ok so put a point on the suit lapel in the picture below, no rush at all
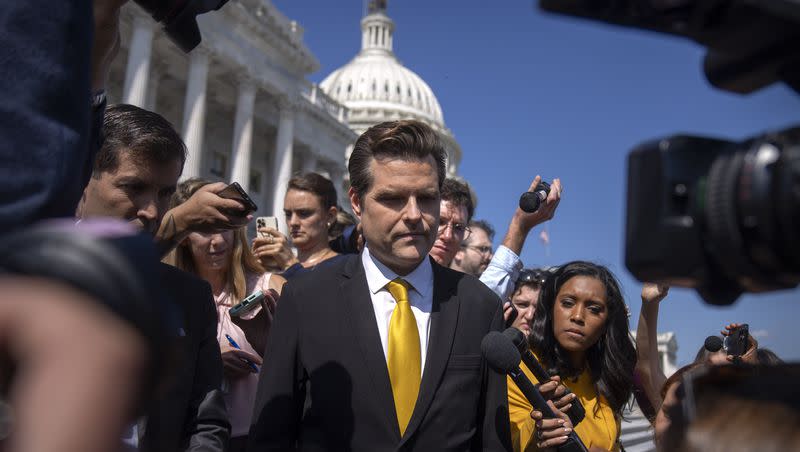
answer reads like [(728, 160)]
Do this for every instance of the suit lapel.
[(362, 318), (444, 318)]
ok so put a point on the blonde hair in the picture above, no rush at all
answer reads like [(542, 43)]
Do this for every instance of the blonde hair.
[(236, 278)]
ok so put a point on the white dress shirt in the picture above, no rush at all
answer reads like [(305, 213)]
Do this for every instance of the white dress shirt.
[(420, 296), (502, 273)]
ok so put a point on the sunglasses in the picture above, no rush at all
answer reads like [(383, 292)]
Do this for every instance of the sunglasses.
[(527, 276)]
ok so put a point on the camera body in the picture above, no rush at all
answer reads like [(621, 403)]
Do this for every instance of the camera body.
[(179, 18), (720, 216)]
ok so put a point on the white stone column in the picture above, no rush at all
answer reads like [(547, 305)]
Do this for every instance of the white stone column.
[(156, 73), (194, 112), (243, 133), (337, 177), (309, 163), (282, 164), (135, 88)]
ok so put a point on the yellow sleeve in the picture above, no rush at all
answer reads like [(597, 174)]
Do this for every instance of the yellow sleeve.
[(519, 413)]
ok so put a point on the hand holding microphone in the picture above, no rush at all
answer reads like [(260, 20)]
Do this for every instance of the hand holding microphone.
[(576, 412), (538, 204), (502, 356)]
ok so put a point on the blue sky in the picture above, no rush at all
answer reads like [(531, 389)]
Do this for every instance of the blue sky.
[(529, 93)]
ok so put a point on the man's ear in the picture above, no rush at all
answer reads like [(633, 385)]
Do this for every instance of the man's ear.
[(355, 202)]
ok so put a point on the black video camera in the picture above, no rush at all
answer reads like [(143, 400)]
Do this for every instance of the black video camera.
[(179, 18), (719, 216)]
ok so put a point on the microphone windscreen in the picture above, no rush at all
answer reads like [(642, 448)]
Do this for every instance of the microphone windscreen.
[(713, 343), (517, 338), (499, 352), (529, 202)]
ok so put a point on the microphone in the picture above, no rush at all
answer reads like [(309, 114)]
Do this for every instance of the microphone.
[(713, 343), (530, 200), (502, 356), (576, 412)]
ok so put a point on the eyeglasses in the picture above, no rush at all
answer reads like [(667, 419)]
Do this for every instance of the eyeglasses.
[(528, 276), (480, 249), (458, 229)]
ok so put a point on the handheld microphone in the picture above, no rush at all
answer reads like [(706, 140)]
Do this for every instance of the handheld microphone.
[(531, 200), (502, 356), (576, 412), (713, 344)]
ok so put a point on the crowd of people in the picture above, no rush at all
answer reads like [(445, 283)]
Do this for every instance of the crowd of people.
[(366, 329)]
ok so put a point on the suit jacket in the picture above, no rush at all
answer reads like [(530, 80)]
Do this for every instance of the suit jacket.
[(191, 415), (325, 384)]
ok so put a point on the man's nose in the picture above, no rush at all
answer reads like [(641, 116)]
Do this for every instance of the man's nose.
[(148, 210), (412, 212)]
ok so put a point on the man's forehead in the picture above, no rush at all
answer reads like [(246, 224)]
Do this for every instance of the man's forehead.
[(134, 166), (453, 211), (479, 237)]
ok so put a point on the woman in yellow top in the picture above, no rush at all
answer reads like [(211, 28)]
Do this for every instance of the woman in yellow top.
[(580, 335)]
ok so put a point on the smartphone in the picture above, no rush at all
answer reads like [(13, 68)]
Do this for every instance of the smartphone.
[(235, 191), (266, 222), (735, 343), (513, 316), (246, 305)]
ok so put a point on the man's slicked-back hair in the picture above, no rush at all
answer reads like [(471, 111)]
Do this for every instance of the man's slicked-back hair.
[(458, 194), (145, 135), (407, 140)]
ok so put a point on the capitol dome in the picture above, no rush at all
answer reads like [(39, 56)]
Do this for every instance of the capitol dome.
[(376, 87)]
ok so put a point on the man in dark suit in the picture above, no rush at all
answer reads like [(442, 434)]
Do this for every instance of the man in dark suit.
[(381, 351), (134, 176)]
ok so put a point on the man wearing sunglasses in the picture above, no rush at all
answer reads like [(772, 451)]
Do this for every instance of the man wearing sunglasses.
[(476, 250)]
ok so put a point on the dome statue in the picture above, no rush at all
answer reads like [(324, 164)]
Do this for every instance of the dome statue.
[(376, 87)]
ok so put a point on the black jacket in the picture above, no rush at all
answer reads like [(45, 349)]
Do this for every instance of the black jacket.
[(325, 384), (191, 415)]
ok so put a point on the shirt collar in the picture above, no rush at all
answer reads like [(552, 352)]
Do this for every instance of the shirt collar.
[(378, 275)]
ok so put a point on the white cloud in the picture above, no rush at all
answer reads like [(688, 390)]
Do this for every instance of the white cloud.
[(759, 334)]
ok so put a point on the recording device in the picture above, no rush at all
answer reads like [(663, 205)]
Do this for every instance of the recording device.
[(722, 217), (530, 200), (247, 304), (576, 412), (735, 343), (713, 344), (719, 216), (512, 317), (179, 18), (265, 222), (236, 192), (502, 356), (107, 259)]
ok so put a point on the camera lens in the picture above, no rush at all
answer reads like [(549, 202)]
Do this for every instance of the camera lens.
[(751, 213)]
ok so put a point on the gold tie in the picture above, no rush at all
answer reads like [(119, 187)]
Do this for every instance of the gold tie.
[(404, 356)]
